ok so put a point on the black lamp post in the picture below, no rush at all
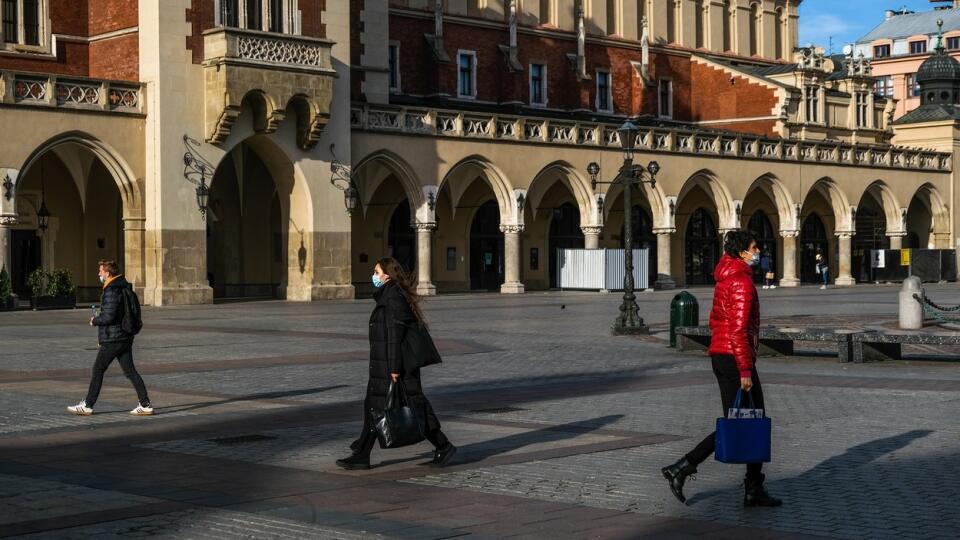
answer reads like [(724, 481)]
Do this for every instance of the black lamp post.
[(629, 176), (195, 169), (341, 178), (43, 214)]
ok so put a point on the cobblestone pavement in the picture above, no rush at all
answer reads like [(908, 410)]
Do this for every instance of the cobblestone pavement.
[(562, 428)]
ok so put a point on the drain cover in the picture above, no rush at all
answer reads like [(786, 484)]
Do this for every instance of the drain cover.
[(242, 439), (498, 410)]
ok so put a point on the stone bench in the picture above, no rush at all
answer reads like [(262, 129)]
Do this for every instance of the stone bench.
[(879, 345), (774, 341)]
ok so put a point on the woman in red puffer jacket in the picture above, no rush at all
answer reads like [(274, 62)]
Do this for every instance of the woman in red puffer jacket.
[(735, 330)]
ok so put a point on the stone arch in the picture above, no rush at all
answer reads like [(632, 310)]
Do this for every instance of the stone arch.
[(938, 228), (573, 180), (774, 188), (312, 118), (717, 191), (888, 201), (462, 174), (839, 204), (656, 198), (374, 169), (266, 112)]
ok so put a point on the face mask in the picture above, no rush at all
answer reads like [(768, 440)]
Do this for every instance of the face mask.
[(103, 280), (376, 281), (754, 259)]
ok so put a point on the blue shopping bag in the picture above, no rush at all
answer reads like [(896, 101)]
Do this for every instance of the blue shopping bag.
[(744, 436)]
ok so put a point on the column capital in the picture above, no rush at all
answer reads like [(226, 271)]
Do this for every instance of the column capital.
[(511, 229), (900, 234), (428, 226), (789, 234), (664, 231), (845, 234), (592, 229), (8, 221)]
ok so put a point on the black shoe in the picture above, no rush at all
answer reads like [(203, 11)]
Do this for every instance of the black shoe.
[(355, 462), (754, 494), (677, 474), (442, 455)]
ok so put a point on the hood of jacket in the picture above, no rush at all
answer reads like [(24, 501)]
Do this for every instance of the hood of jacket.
[(729, 267)]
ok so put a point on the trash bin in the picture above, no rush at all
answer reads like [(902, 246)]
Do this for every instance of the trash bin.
[(684, 311)]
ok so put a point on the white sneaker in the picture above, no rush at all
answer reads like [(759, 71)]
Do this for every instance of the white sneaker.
[(81, 409), (823, 287), (142, 411), (766, 286), (773, 286)]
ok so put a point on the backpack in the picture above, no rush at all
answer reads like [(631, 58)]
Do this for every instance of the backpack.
[(131, 322)]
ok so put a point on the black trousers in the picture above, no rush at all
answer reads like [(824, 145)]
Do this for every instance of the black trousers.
[(728, 377), (123, 352)]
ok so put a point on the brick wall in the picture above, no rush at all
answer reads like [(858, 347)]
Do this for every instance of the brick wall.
[(116, 58), (717, 95), (111, 15), (311, 22), (756, 127)]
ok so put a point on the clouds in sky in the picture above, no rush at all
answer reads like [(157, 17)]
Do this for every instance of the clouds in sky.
[(846, 20)]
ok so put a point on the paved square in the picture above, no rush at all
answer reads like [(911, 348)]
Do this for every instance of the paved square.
[(562, 428)]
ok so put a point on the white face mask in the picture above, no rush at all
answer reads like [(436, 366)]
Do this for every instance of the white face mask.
[(754, 259), (103, 280)]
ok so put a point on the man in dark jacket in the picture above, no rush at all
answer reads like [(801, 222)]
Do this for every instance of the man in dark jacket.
[(114, 342)]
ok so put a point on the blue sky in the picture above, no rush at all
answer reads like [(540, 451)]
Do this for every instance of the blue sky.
[(847, 20)]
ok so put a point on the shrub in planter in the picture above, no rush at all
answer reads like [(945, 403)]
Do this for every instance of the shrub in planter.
[(7, 300), (52, 290)]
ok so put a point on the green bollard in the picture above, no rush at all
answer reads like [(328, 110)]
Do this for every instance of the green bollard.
[(684, 311)]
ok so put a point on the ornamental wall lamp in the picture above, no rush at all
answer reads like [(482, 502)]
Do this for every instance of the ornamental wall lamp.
[(341, 177), (43, 215), (521, 202), (195, 170), (431, 201), (7, 187)]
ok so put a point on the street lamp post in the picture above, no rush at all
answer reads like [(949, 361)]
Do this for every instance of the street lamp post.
[(629, 322)]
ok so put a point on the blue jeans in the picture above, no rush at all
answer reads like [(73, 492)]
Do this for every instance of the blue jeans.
[(826, 277)]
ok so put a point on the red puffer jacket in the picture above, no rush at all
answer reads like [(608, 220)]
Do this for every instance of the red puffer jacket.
[(735, 317)]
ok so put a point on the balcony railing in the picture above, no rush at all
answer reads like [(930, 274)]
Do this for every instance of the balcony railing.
[(472, 125), (45, 90), (267, 49)]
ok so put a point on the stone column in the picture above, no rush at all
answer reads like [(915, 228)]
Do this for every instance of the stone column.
[(591, 236), (6, 242), (425, 286), (843, 276), (133, 252), (512, 256), (789, 277), (664, 270), (896, 240)]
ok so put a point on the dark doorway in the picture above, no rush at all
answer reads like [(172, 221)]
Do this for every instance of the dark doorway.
[(486, 249), (26, 258), (643, 238), (401, 238), (813, 240), (871, 226), (565, 233), (702, 248), (761, 227)]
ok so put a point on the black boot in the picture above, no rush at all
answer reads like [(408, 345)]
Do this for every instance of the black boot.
[(355, 462), (754, 494), (677, 474), (442, 455)]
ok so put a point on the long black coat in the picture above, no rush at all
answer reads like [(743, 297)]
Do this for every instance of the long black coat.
[(389, 324), (112, 309)]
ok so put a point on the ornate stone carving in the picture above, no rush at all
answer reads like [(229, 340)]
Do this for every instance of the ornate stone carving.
[(845, 234), (789, 234), (592, 229), (78, 93), (511, 229), (424, 226), (279, 51), (8, 221)]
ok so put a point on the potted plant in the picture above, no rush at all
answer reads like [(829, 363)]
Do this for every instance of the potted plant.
[(7, 299), (52, 290)]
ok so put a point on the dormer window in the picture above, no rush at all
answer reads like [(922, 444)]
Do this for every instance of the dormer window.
[(918, 47), (881, 51), (812, 103)]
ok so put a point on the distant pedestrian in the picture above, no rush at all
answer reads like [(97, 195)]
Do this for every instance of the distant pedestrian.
[(117, 323), (735, 330), (397, 313), (823, 270), (766, 266)]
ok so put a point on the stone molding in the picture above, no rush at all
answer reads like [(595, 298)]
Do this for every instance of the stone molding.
[(845, 234), (592, 229), (789, 234), (662, 232), (431, 227), (511, 229), (8, 221)]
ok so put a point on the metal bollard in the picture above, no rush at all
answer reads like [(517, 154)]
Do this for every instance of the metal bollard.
[(911, 312), (684, 311)]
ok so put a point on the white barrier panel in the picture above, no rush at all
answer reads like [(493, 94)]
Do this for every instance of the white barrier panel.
[(596, 269)]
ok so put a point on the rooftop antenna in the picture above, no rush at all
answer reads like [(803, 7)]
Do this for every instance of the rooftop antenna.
[(830, 46)]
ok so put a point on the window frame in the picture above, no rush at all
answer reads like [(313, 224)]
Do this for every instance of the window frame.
[(913, 87), (886, 83), (44, 37), (608, 94), (885, 47), (393, 66), (919, 45), (955, 40), (287, 20), (862, 110), (811, 104), (543, 84), (669, 103), (473, 74)]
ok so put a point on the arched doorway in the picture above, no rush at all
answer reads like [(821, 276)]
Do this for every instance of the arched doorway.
[(871, 227), (643, 238), (246, 245), (813, 240), (761, 227), (702, 248), (486, 249), (565, 233), (401, 238)]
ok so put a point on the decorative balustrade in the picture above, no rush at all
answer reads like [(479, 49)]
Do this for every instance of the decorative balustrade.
[(72, 93), (449, 123)]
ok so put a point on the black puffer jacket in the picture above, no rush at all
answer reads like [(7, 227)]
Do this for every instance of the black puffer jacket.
[(388, 327), (112, 309)]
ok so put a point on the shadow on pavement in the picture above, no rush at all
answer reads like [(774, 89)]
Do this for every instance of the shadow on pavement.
[(251, 397)]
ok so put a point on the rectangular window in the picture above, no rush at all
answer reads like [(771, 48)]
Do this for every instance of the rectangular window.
[(276, 16), (812, 103), (451, 259), (467, 87), (862, 110), (665, 98), (881, 51), (534, 258), (913, 88), (254, 14), (604, 92), (538, 84), (31, 22), (10, 21), (918, 47), (230, 13), (884, 86), (393, 55), (953, 43)]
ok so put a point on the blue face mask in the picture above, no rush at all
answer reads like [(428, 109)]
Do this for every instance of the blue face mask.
[(376, 281)]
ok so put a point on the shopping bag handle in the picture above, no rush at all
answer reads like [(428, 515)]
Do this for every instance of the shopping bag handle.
[(736, 402), (396, 394)]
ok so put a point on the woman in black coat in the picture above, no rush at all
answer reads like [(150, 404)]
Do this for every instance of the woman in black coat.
[(397, 309)]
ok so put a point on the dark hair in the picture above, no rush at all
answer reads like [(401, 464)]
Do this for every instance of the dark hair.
[(110, 266), (737, 241), (407, 283)]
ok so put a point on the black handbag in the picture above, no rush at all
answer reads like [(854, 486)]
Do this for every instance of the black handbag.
[(399, 424)]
